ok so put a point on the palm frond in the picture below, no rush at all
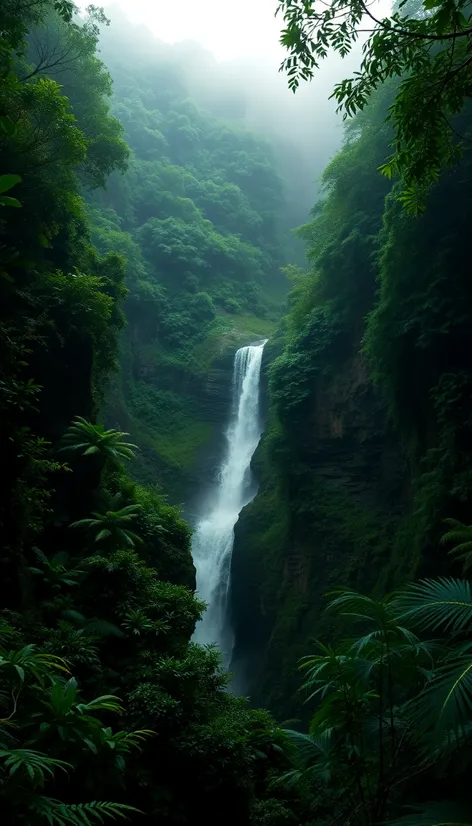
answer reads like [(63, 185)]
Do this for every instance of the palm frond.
[(107, 702), (92, 449), (446, 701), (444, 603), (103, 534), (352, 603), (92, 439), (311, 752), (83, 523)]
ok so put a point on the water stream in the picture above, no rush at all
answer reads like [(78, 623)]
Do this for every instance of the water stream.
[(212, 543)]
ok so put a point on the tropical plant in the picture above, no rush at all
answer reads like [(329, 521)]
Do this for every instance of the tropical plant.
[(56, 813), (94, 440), (45, 721), (444, 606), (360, 735), (112, 526), (460, 537), (55, 572)]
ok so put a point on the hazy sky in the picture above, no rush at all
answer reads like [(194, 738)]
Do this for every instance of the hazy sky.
[(228, 28)]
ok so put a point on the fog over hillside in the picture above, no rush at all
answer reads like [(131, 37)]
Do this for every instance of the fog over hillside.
[(239, 80)]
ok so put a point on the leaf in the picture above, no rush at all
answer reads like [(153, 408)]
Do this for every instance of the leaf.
[(444, 603), (58, 813), (21, 672), (5, 200), (8, 182)]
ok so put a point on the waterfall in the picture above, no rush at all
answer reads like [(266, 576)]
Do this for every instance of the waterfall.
[(212, 543)]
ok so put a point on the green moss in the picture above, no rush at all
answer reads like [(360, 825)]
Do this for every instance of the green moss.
[(226, 334), (159, 398)]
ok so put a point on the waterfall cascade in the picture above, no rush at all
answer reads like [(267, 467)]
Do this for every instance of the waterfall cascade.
[(212, 543)]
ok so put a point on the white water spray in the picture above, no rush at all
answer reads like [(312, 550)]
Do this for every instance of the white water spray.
[(212, 543)]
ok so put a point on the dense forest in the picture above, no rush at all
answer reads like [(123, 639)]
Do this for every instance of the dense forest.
[(145, 235), (199, 218)]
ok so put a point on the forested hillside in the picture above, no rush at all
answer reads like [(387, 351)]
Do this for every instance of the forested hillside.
[(108, 711), (201, 220), (365, 463), (368, 445)]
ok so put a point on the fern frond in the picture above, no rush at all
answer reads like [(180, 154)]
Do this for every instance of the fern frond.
[(56, 813), (35, 764)]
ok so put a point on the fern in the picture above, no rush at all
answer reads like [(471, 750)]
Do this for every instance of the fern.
[(56, 813), (36, 765)]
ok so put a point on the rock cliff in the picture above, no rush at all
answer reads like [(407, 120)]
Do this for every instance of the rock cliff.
[(176, 408), (332, 497)]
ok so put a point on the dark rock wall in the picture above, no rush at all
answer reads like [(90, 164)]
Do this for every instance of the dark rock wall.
[(332, 498)]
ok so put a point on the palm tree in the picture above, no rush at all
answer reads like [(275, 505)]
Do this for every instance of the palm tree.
[(113, 526), (93, 440)]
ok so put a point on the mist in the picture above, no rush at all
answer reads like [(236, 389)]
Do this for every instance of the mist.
[(231, 68)]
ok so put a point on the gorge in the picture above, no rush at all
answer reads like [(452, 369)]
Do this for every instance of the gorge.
[(235, 415)]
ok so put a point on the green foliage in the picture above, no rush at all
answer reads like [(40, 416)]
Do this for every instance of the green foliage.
[(44, 721), (198, 217), (425, 45), (388, 703), (434, 814), (7, 182), (368, 448), (460, 536), (293, 374), (92, 439), (107, 611), (112, 526)]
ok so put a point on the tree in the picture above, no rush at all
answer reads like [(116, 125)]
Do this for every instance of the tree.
[(426, 46)]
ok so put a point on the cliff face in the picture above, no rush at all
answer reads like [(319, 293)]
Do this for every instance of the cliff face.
[(332, 496), (176, 409)]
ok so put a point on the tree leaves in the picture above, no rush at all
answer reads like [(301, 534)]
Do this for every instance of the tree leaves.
[(433, 82)]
